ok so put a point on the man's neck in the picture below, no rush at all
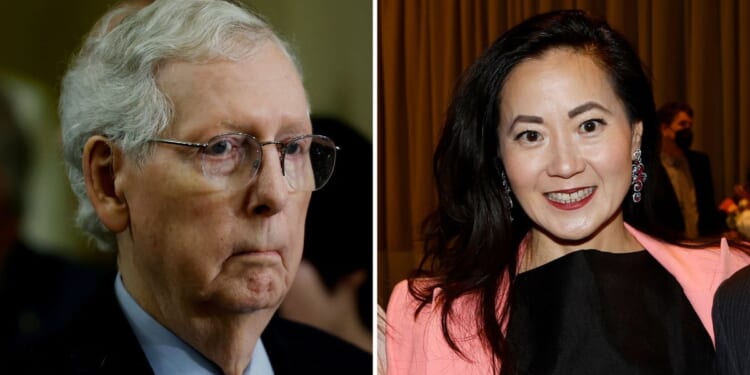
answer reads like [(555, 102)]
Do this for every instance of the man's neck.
[(225, 338), (669, 147), (227, 341)]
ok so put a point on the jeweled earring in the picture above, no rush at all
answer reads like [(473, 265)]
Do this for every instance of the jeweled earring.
[(506, 193), (639, 175)]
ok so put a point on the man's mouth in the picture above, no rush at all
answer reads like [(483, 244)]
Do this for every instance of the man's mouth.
[(247, 250)]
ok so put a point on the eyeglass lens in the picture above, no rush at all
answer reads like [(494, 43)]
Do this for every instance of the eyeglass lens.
[(308, 161)]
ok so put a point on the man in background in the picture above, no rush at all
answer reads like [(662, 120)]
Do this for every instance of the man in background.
[(689, 172), (40, 292)]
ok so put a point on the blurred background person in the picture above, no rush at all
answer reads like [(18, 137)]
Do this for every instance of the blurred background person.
[(39, 291), (333, 287), (689, 206)]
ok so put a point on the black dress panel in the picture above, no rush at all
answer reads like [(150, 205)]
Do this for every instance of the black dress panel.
[(593, 312)]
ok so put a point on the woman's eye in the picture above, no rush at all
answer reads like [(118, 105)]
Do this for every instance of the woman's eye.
[(529, 136), (591, 126)]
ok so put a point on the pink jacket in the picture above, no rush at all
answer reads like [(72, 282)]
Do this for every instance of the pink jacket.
[(418, 347)]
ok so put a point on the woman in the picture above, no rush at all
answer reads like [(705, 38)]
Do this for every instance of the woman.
[(543, 254)]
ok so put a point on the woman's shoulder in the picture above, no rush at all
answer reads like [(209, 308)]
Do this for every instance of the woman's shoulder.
[(404, 305), (721, 258), (699, 270), (415, 343), (405, 312), (703, 266)]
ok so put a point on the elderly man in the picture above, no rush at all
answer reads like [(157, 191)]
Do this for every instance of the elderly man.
[(187, 135)]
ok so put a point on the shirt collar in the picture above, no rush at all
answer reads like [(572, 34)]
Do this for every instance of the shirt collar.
[(168, 354)]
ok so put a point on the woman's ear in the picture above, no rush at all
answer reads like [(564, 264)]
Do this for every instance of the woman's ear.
[(102, 165), (636, 134)]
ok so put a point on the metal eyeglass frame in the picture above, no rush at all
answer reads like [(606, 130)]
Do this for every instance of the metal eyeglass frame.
[(280, 146)]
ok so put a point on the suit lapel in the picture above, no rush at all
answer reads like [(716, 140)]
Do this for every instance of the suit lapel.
[(103, 341)]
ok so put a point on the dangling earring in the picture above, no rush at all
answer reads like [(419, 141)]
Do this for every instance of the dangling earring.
[(506, 193), (638, 177)]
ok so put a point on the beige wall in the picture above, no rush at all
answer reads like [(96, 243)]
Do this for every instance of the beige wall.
[(333, 41)]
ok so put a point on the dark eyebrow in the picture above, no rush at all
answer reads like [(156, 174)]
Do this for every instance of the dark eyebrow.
[(586, 107), (525, 118)]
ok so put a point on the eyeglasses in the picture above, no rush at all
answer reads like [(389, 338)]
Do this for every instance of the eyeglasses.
[(307, 161)]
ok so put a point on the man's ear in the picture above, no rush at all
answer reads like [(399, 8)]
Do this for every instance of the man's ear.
[(636, 133), (102, 164)]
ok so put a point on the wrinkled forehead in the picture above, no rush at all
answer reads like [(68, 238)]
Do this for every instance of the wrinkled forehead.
[(264, 70), (261, 94)]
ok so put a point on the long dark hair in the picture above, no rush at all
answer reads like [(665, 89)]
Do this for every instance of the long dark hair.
[(471, 243)]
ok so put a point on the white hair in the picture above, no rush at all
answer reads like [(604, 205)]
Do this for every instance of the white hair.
[(111, 86)]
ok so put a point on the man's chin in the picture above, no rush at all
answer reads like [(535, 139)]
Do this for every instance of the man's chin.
[(259, 304), (259, 289), (252, 300)]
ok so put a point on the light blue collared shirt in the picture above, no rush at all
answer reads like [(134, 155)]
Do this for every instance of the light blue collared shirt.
[(168, 354)]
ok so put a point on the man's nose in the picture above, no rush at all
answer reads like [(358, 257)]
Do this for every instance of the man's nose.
[(270, 190)]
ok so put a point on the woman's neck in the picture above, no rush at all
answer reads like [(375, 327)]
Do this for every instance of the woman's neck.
[(542, 247)]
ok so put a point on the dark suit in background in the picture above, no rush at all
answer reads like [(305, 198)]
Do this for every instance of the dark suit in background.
[(731, 317), (710, 220), (39, 291), (676, 123), (40, 294)]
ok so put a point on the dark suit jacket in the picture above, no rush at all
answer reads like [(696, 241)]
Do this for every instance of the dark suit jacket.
[(40, 294), (710, 220), (731, 317), (101, 341)]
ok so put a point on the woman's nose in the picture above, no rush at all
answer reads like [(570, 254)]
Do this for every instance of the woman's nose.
[(565, 159)]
